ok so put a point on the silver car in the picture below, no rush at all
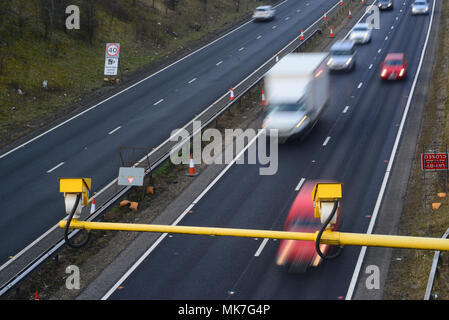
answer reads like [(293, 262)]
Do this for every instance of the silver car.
[(264, 13), (361, 33), (420, 7), (342, 55)]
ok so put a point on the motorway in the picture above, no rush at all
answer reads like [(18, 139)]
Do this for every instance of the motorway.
[(352, 144), (144, 115)]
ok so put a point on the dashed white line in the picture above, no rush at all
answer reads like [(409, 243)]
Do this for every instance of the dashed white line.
[(360, 85), (326, 141), (219, 62), (299, 10), (370, 66), (155, 104), (286, 18), (262, 245), (301, 182), (55, 167), (397, 18), (241, 48), (386, 38), (258, 37), (345, 109), (392, 27), (192, 80), (273, 27), (378, 51), (111, 132)]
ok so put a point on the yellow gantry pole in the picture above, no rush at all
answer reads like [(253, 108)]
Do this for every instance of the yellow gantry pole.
[(328, 237)]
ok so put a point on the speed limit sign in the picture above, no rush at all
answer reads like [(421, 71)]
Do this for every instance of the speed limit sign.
[(112, 50)]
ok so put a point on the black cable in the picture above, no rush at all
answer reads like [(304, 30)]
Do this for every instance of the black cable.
[(69, 219), (318, 238)]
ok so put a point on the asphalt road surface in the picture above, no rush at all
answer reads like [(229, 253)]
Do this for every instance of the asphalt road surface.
[(352, 144)]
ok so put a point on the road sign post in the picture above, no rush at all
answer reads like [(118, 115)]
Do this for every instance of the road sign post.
[(435, 161), (111, 59)]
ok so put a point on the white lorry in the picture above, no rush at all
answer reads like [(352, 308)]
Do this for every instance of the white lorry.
[(296, 91)]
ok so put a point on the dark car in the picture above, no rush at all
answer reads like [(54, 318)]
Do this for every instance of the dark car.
[(385, 4)]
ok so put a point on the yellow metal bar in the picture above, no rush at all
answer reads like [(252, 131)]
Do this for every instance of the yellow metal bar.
[(328, 237)]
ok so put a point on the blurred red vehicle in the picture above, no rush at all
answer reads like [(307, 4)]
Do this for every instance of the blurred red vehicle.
[(394, 67), (298, 255)]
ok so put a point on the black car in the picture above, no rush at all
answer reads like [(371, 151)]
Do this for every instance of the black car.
[(385, 4)]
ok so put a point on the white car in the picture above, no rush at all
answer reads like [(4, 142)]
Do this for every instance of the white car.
[(420, 7), (361, 33), (264, 13)]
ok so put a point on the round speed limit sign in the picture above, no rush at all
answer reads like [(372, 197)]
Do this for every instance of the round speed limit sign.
[(112, 50)]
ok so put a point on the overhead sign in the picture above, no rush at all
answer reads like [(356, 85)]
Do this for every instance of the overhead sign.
[(111, 59), (131, 176), (434, 161)]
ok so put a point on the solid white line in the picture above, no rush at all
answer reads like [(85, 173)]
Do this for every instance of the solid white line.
[(301, 182), (156, 103), (130, 87), (345, 109), (220, 62), (360, 85), (262, 245), (192, 80), (370, 66), (326, 141), (143, 257), (118, 128), (390, 164), (55, 167)]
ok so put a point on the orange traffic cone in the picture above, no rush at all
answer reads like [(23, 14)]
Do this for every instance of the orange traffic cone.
[(263, 99), (36, 295), (350, 14), (192, 171), (331, 33), (92, 206), (325, 16), (302, 35), (232, 94)]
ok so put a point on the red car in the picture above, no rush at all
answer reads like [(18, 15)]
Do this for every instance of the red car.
[(298, 255), (394, 67)]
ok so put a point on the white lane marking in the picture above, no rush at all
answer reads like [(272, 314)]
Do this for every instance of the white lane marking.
[(379, 51), (241, 48), (156, 103), (55, 167), (273, 27), (258, 37), (298, 10), (386, 38), (392, 27), (361, 257), (192, 80), (286, 18), (118, 128), (326, 141), (397, 18), (370, 66), (262, 245), (156, 243), (360, 85), (345, 109), (219, 62), (301, 182)]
